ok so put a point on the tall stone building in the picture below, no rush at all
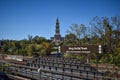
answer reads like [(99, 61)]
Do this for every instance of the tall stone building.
[(57, 39)]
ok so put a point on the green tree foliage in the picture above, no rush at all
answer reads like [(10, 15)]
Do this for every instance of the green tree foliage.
[(38, 39), (34, 46), (70, 40)]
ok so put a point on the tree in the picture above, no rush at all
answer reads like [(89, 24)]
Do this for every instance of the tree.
[(30, 38), (106, 31), (78, 30), (102, 29), (70, 39), (116, 30), (5, 48), (47, 47), (38, 39)]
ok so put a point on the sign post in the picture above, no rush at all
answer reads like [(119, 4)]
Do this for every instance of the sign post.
[(97, 56)]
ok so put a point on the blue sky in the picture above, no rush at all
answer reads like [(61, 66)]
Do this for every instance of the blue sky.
[(20, 18)]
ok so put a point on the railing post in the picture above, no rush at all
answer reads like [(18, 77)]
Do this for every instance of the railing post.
[(56, 68), (39, 71), (87, 74)]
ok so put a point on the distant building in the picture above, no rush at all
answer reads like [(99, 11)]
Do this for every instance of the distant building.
[(57, 39)]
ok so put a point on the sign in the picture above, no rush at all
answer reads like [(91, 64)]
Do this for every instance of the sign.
[(100, 49), (81, 49)]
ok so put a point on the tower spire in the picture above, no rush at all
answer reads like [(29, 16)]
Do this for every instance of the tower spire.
[(57, 30), (57, 21), (57, 39)]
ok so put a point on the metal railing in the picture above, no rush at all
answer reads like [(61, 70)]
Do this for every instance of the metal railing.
[(42, 69)]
